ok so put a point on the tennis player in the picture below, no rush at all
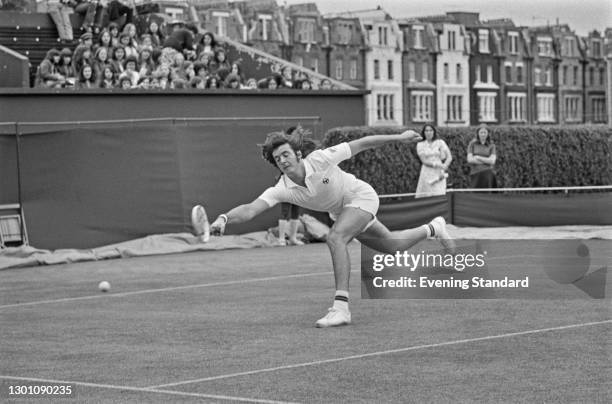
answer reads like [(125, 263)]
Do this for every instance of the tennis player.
[(317, 183)]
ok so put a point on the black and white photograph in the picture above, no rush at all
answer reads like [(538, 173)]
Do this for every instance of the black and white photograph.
[(305, 201)]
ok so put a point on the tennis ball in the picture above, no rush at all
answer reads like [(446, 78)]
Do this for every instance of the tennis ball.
[(104, 286)]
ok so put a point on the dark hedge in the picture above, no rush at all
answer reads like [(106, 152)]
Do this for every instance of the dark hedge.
[(527, 156)]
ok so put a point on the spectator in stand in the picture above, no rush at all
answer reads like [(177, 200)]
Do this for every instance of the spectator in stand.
[(125, 82), (251, 84), (108, 77), (66, 68), (325, 84), (145, 41), (482, 156), (86, 39), (273, 83), (118, 59), (435, 158), (162, 76), (144, 82), (223, 66), (306, 85), (131, 66), (86, 9), (181, 40), (205, 59), (207, 44), (48, 74), (113, 28), (200, 70), (235, 69), (286, 79), (157, 38), (178, 84), (130, 50), (81, 56), (119, 8), (104, 40), (213, 82), (130, 29), (100, 61), (87, 78), (146, 67), (232, 81), (101, 13), (197, 82), (59, 11)]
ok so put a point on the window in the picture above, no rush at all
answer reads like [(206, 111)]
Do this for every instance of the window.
[(344, 33), (489, 74), (548, 76), (425, 71), (390, 74), (353, 69), (483, 40), (451, 40), (220, 18), (513, 42), (599, 109), (305, 30), (570, 44), (546, 107), (596, 48), (454, 108), (508, 68), (411, 71), (339, 69), (591, 77), (384, 107), (486, 107), (572, 108), (602, 76), (478, 70), (564, 77), (376, 70), (265, 23), (519, 73), (544, 46), (383, 35), (446, 73), (314, 65), (576, 77), (421, 103), (459, 74), (517, 107), (417, 34), (537, 76)]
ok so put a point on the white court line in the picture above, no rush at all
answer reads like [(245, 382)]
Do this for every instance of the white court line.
[(144, 390), (379, 353), (145, 291)]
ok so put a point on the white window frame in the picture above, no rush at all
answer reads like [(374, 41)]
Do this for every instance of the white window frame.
[(520, 79), (454, 108), (513, 38), (545, 108), (353, 69), (411, 71), (548, 76), (421, 106), (264, 19), (508, 78), (221, 18), (537, 76), (489, 74), (306, 30), (451, 39), (544, 46), (483, 41), (459, 73), (339, 70), (425, 72), (572, 108), (417, 33), (486, 106), (517, 107)]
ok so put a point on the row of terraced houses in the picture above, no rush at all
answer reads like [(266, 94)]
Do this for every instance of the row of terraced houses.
[(452, 69)]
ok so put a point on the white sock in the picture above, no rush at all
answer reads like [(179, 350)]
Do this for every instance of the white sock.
[(428, 229), (341, 300)]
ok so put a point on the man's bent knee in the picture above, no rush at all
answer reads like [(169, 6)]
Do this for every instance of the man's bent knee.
[(336, 238)]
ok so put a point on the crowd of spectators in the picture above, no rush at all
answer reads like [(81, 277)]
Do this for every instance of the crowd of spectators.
[(122, 57)]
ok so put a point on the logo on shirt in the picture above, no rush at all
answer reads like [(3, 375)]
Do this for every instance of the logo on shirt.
[(325, 181)]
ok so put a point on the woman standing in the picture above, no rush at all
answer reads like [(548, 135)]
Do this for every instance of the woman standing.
[(482, 157), (435, 157)]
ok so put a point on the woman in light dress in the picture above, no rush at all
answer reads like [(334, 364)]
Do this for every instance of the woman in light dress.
[(435, 158)]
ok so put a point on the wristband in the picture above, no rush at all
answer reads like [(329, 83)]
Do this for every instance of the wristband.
[(224, 217)]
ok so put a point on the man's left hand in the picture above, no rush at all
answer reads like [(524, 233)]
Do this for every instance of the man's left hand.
[(410, 136)]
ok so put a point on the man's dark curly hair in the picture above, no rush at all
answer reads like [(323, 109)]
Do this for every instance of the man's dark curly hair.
[(294, 136)]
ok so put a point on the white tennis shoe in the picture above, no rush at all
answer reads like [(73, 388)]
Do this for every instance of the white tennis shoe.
[(441, 234), (199, 222), (334, 318)]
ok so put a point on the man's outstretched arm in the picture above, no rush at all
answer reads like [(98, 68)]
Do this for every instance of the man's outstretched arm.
[(370, 142), (239, 214)]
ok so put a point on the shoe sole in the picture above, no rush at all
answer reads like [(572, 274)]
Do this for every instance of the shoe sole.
[(329, 326), (200, 219), (446, 240)]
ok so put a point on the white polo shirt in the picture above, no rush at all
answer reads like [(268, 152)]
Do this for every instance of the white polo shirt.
[(328, 188)]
